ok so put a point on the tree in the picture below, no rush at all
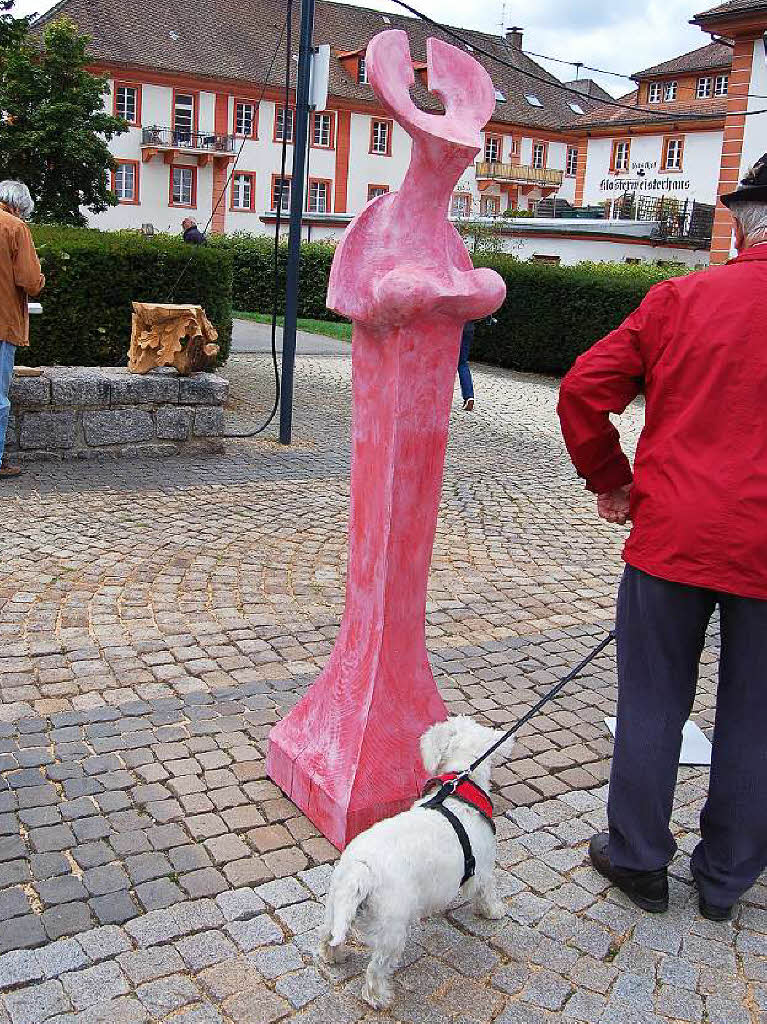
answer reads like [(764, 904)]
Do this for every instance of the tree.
[(54, 127)]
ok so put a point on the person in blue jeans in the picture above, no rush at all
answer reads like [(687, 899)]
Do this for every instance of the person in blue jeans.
[(464, 373)]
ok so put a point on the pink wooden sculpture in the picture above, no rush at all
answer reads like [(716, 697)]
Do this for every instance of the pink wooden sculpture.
[(347, 754)]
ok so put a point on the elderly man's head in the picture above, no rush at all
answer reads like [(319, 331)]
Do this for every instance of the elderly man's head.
[(15, 197), (750, 223), (188, 222)]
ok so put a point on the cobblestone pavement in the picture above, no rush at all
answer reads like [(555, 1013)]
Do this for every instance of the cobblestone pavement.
[(157, 617)]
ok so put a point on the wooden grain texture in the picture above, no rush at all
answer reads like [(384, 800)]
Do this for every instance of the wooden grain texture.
[(347, 755)]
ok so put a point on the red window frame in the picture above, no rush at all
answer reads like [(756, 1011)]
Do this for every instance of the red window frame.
[(381, 120), (256, 113), (182, 167), (275, 179), (195, 108), (613, 153), (383, 189), (461, 194), (332, 143), (120, 84), (243, 209), (492, 137), (539, 142), (328, 194), (484, 201), (665, 169), (136, 164), (275, 138)]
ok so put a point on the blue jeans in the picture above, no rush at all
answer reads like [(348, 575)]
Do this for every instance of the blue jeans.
[(661, 630), (7, 357), (464, 373)]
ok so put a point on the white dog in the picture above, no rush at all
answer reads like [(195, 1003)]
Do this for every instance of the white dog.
[(411, 866)]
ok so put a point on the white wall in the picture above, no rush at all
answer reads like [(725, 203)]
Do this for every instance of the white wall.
[(755, 131), (698, 179), (366, 168), (572, 251)]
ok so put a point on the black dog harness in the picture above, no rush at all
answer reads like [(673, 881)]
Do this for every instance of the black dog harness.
[(469, 793)]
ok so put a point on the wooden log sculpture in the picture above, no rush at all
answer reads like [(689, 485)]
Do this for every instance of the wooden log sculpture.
[(347, 754), (165, 334)]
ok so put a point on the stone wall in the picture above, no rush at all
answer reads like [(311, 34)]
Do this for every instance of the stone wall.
[(71, 412)]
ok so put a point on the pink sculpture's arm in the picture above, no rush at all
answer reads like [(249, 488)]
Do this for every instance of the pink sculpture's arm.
[(348, 752)]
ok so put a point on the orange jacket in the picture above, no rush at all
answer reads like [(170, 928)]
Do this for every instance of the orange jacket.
[(20, 277)]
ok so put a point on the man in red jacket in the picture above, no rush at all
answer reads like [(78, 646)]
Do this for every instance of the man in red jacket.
[(697, 499)]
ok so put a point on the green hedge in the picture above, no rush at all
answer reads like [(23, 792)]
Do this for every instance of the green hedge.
[(253, 287), (552, 314), (92, 277)]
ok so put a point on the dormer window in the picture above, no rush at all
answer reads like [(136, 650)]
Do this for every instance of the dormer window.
[(721, 85), (669, 93), (705, 88), (576, 108), (362, 72), (533, 100), (653, 92)]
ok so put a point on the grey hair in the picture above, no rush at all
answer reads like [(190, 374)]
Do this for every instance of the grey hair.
[(752, 218), (16, 194)]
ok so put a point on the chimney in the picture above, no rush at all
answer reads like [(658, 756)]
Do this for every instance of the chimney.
[(514, 37)]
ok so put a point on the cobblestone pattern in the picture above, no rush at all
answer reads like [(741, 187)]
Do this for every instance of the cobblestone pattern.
[(156, 618), (90, 411)]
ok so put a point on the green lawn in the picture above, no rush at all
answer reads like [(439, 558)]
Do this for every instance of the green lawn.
[(327, 327)]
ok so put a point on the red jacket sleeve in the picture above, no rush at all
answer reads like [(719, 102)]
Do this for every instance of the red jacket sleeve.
[(605, 380)]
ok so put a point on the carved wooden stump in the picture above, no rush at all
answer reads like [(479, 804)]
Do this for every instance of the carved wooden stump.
[(347, 754), (165, 334)]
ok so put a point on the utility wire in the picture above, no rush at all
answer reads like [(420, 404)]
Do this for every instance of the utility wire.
[(472, 46)]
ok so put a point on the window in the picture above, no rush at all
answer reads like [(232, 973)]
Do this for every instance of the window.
[(284, 119), (322, 130), (721, 85), (128, 103), (621, 156), (489, 206), (515, 146), (318, 200), (281, 193), (243, 190), (533, 100), (500, 97), (184, 116), (125, 182), (539, 155), (380, 137), (571, 161), (362, 72), (460, 205), (493, 145), (704, 88), (576, 108), (245, 119), (653, 92), (183, 186), (672, 154), (669, 92), (374, 191)]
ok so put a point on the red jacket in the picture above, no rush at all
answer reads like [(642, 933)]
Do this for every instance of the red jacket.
[(697, 347)]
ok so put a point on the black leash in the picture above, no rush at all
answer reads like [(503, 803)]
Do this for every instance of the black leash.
[(448, 788)]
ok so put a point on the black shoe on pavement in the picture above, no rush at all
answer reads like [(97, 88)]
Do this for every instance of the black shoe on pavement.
[(647, 889), (711, 911)]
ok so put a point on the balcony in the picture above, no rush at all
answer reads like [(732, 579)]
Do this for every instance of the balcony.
[(169, 141), (520, 174)]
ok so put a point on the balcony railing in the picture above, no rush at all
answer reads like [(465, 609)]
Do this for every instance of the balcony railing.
[(520, 174), (180, 138)]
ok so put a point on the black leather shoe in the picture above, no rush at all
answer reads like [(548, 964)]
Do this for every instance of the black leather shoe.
[(711, 911), (647, 889)]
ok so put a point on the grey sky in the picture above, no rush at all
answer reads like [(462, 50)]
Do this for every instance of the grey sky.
[(604, 33)]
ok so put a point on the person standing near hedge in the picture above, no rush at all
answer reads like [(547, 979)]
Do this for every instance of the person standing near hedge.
[(464, 371), (191, 233), (20, 278), (697, 498)]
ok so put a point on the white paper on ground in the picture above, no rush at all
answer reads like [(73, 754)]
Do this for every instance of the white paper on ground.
[(696, 748)]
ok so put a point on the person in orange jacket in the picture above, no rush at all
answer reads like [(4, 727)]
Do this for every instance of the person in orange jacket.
[(697, 500)]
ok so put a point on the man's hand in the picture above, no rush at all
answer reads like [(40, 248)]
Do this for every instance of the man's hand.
[(614, 505)]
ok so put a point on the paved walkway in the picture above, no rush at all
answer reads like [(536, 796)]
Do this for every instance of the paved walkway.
[(248, 336), (157, 617)]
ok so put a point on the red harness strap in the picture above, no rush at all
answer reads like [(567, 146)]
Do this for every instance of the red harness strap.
[(468, 792)]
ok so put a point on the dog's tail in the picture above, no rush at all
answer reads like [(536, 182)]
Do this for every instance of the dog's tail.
[(353, 886)]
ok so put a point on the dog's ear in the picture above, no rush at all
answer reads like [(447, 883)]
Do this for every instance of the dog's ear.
[(492, 736), (435, 744)]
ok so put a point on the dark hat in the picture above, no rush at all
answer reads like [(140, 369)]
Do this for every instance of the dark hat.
[(753, 186)]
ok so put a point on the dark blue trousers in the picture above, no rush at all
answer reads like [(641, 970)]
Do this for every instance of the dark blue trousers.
[(661, 628), (464, 373)]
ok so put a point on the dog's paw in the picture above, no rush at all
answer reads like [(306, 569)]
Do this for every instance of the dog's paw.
[(380, 997), (332, 954)]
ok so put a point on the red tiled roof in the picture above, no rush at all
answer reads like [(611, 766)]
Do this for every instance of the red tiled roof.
[(661, 113), (732, 8), (234, 39), (715, 55)]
